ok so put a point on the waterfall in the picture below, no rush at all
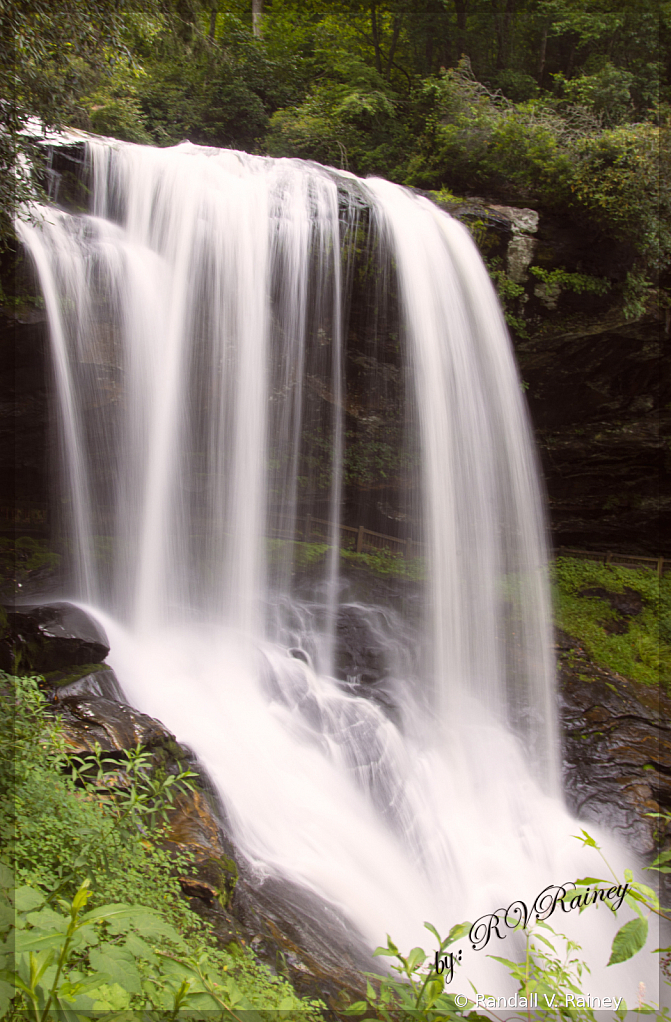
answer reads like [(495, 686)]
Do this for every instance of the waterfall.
[(225, 328)]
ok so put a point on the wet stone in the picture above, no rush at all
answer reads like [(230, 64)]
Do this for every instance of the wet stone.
[(40, 639), (616, 746)]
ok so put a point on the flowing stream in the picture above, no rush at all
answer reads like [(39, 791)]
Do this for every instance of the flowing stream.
[(225, 328)]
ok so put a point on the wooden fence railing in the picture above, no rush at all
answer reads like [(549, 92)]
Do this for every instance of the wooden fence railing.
[(351, 537), (26, 515), (621, 560)]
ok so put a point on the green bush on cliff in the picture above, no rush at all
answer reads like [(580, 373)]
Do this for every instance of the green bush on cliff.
[(642, 651), (561, 157), (61, 839)]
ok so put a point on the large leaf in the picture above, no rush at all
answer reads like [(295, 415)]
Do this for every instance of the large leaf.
[(139, 948), (27, 898), (628, 940), (111, 997), (457, 932), (415, 958), (7, 991), (36, 940), (46, 920), (660, 863), (117, 963), (121, 917)]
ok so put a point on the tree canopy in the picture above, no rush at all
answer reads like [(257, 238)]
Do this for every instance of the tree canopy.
[(559, 103)]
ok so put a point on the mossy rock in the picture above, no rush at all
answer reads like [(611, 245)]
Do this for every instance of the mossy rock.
[(58, 679)]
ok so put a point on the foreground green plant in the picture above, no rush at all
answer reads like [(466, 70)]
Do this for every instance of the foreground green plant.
[(550, 977), (99, 923), (69, 960), (420, 994), (133, 791)]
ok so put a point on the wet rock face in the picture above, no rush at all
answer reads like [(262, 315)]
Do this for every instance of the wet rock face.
[(360, 656), (616, 743), (25, 446), (599, 403)]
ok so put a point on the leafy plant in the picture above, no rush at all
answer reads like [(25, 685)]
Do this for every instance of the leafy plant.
[(580, 283), (89, 834), (387, 562), (421, 992), (137, 795), (71, 960)]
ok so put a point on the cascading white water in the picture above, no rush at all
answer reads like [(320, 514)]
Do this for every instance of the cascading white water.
[(199, 321)]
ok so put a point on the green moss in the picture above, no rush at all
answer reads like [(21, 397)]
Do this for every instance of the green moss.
[(386, 562), (643, 651), (65, 677)]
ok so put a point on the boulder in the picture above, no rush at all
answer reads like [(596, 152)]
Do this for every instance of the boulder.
[(88, 719), (50, 637)]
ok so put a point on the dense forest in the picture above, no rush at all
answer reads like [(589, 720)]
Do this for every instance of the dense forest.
[(560, 104)]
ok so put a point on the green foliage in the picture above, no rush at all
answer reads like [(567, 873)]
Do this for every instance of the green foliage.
[(662, 864), (86, 834), (643, 652), (628, 940), (136, 794), (551, 968), (550, 974), (420, 993), (509, 293), (557, 102), (302, 555), (387, 562), (374, 455), (119, 956), (611, 177), (607, 92), (53, 55), (348, 122), (580, 283), (631, 937)]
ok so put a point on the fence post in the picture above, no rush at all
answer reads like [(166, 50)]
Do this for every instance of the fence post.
[(660, 566), (609, 557), (359, 540)]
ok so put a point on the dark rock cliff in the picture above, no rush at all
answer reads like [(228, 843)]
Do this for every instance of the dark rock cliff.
[(594, 365)]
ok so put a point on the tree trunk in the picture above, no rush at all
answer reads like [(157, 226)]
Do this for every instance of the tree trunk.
[(257, 12), (543, 51), (392, 48), (504, 24), (376, 39), (461, 7)]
